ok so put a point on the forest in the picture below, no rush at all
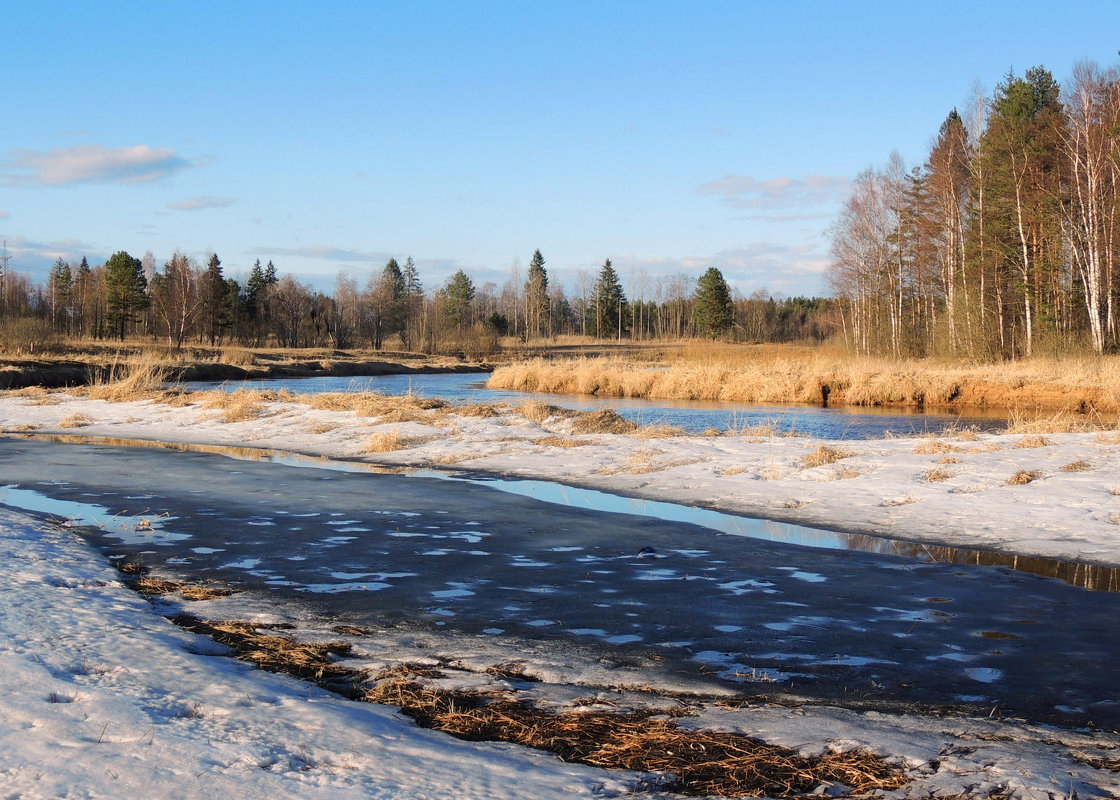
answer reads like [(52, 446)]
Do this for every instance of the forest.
[(1005, 242), (183, 302)]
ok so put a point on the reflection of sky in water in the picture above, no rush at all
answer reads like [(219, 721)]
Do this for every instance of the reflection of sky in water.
[(131, 529), (693, 415)]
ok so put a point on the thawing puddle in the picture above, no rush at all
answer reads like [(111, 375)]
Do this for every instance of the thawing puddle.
[(132, 529), (1087, 576)]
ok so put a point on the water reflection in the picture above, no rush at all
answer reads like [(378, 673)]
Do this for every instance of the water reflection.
[(1086, 576)]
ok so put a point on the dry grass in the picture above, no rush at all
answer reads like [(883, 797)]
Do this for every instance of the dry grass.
[(933, 446), (241, 405), (658, 432), (699, 762), (125, 382), (560, 441), (936, 475), (387, 442), (1023, 477), (845, 473), (188, 591), (1107, 438), (1032, 441), (949, 460), (789, 375), (695, 762), (321, 428), (1077, 466), (75, 421), (387, 408), (605, 420), (538, 412), (824, 455)]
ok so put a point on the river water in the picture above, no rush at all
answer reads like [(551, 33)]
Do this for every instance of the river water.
[(421, 553), (690, 415)]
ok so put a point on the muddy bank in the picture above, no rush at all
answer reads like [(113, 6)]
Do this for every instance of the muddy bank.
[(20, 374)]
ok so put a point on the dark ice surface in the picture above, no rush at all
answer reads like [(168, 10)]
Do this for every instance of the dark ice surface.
[(407, 550)]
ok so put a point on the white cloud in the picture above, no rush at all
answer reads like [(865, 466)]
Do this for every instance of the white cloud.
[(64, 166), (200, 203), (744, 191), (785, 269)]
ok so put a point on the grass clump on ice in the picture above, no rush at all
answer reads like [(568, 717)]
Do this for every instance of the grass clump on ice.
[(824, 455), (605, 420), (1023, 477), (75, 421)]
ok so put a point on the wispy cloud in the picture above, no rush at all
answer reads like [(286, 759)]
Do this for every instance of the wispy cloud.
[(35, 258), (200, 203), (4, 214), (323, 252), (744, 191), (91, 163), (781, 268)]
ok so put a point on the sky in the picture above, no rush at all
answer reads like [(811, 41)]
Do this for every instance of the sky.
[(328, 137)]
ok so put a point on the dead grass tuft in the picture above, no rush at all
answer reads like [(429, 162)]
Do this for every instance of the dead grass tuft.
[(1023, 477), (75, 421), (934, 446), (845, 473), (538, 412), (386, 442), (1077, 466), (560, 441), (659, 432), (1032, 441), (604, 420), (824, 455), (936, 475), (240, 405), (149, 586), (949, 460), (120, 383), (321, 427)]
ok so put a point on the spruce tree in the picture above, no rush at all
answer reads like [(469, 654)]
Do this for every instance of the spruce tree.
[(126, 288), (714, 310)]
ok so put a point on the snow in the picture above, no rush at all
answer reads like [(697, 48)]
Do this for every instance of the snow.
[(103, 696), (881, 487)]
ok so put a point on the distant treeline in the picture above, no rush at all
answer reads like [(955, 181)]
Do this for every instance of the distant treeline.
[(185, 302), (1005, 242)]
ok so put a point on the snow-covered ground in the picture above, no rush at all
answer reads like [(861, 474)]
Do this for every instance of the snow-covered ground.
[(102, 696), (953, 490)]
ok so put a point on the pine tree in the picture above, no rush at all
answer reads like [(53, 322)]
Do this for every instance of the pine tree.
[(537, 304), (714, 310), (126, 288), (610, 304)]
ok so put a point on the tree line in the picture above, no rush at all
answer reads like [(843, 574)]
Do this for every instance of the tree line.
[(1005, 242), (186, 302)]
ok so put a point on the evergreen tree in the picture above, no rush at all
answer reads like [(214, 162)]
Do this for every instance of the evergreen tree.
[(537, 303), (610, 304), (126, 288), (714, 310), (60, 286), (215, 303), (458, 294)]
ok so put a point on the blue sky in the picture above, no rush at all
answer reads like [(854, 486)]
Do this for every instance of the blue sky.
[(327, 137)]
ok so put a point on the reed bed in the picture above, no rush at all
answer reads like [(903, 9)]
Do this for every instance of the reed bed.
[(1077, 386)]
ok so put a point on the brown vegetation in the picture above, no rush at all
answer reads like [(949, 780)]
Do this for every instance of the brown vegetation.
[(824, 455), (767, 375)]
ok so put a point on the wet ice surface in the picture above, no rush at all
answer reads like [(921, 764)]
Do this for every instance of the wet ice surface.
[(419, 553)]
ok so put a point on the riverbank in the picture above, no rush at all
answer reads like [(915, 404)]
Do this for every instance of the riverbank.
[(137, 702), (100, 365), (1086, 388), (963, 489)]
